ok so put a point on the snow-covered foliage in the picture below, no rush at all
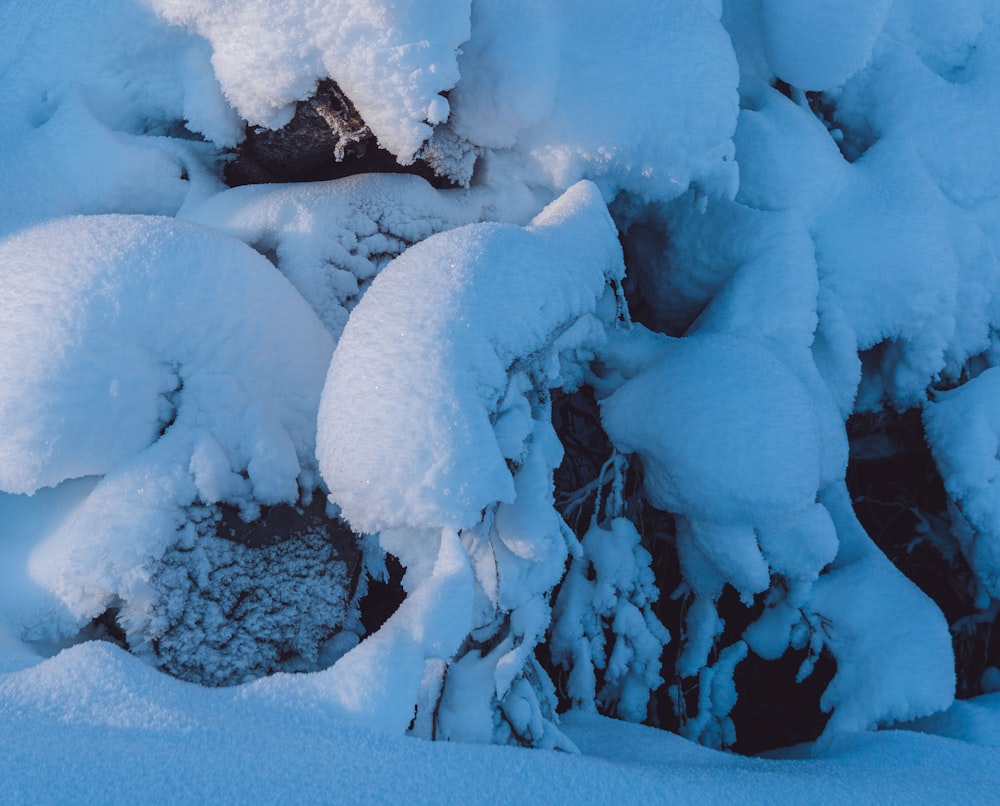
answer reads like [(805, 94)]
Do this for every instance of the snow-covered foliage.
[(202, 387), (435, 421)]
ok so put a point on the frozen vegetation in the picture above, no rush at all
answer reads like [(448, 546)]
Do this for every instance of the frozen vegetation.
[(632, 360)]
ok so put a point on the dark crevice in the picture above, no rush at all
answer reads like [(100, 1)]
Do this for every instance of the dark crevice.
[(105, 627), (383, 597), (900, 500), (325, 139), (773, 709)]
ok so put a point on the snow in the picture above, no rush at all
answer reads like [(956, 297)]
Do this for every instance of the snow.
[(907, 671), (964, 434), (757, 450), (391, 59), (69, 722), (124, 355), (805, 197)]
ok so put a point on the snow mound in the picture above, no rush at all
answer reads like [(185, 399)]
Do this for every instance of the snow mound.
[(819, 44), (172, 360), (410, 424), (732, 436), (101, 101), (641, 99), (102, 349)]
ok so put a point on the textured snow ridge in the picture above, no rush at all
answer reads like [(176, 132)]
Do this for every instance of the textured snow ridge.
[(124, 352), (413, 428), (331, 238)]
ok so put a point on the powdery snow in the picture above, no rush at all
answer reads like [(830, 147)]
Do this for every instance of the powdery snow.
[(641, 99), (819, 44)]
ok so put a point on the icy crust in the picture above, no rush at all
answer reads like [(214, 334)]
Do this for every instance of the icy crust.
[(392, 59), (225, 613), (416, 423), (125, 353), (332, 238)]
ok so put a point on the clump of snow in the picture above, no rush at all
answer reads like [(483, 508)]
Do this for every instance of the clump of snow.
[(610, 586), (641, 99), (406, 433), (892, 644), (127, 354), (87, 382), (819, 44), (757, 451), (392, 59)]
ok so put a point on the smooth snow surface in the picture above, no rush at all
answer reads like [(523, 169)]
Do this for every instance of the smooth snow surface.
[(68, 723)]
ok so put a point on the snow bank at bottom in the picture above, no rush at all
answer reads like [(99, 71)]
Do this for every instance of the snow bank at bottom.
[(94, 724)]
